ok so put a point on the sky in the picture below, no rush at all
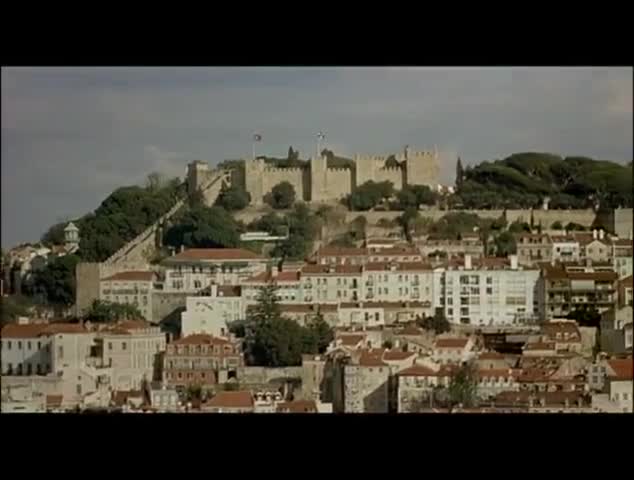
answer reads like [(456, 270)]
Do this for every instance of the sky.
[(72, 135)]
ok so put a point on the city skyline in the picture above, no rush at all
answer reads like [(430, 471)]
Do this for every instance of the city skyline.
[(70, 136)]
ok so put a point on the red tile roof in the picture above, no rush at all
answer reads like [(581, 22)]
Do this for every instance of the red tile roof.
[(121, 397), (623, 368), (623, 242), (220, 254), (451, 342), (540, 346), (297, 406), (126, 327), (491, 356), (240, 399), (396, 355), (55, 328), (497, 373), (280, 277), (418, 371), (29, 330), (201, 339), (351, 340), (371, 359), (131, 276), (411, 330)]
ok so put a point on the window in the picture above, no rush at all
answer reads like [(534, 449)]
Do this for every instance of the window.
[(124, 346), (376, 316), (39, 345), (109, 345), (60, 352), (625, 396), (28, 368), (78, 389), (19, 345), (9, 345)]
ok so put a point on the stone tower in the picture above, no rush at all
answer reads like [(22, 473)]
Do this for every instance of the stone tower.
[(197, 172), (422, 168), (318, 181), (254, 179), (71, 237)]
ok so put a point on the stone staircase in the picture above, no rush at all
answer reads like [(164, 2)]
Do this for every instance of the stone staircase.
[(134, 250)]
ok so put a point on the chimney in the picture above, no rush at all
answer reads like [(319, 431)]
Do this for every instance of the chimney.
[(513, 262), (467, 262), (182, 249), (594, 234), (601, 234)]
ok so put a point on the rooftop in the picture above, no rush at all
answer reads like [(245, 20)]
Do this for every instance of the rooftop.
[(239, 399), (131, 276), (623, 368), (201, 339), (219, 254), (341, 252), (451, 342)]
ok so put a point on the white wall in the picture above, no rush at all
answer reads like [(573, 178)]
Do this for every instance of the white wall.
[(23, 352), (211, 314)]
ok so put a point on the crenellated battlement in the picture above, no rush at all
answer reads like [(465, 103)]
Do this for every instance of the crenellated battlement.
[(318, 182)]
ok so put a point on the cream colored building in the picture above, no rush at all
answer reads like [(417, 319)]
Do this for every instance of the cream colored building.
[(213, 313), (196, 269), (131, 288), (133, 350)]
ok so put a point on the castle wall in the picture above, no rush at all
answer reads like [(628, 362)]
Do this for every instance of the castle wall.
[(394, 175), (273, 176), (338, 182), (422, 168), (623, 222)]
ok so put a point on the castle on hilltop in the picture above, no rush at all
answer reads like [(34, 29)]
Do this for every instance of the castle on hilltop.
[(319, 183)]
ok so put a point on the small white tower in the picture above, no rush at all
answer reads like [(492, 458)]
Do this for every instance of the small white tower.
[(71, 237)]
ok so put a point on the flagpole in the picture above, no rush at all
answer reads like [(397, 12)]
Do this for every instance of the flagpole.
[(253, 147)]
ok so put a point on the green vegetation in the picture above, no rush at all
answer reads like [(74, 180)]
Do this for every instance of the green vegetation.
[(333, 161), (438, 323), (586, 316), (463, 386), (233, 198), (524, 179), (302, 227), (57, 280), (505, 244), (281, 197), (413, 196), (369, 195), (203, 227), (454, 224), (108, 312), (273, 340), (12, 307), (557, 225), (572, 227)]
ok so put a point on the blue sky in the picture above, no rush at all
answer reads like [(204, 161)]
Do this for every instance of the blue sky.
[(72, 135)]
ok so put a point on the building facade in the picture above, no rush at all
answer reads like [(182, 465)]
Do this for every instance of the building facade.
[(211, 314), (132, 288)]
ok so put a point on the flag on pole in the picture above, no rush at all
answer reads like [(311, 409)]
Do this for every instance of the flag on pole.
[(321, 135), (257, 137)]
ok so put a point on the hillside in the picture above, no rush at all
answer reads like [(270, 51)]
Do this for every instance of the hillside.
[(123, 215), (524, 179)]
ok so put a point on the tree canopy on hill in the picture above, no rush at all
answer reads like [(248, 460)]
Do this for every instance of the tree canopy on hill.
[(524, 179), (123, 215), (203, 227)]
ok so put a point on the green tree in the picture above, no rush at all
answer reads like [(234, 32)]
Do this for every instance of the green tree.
[(282, 196), (57, 280), (505, 244), (387, 344), (462, 387), (12, 307), (108, 312), (557, 225), (572, 226), (459, 173), (586, 316), (519, 227), (438, 323), (155, 181), (321, 332), (54, 235), (203, 227), (392, 162), (369, 194), (233, 198), (407, 220)]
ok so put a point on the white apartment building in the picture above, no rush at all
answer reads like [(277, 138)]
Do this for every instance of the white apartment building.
[(489, 291), (288, 283), (211, 314), (132, 349), (392, 282), (132, 288), (197, 268), (331, 283), (565, 249), (361, 256)]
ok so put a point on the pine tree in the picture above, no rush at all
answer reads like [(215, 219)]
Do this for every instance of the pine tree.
[(459, 173)]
